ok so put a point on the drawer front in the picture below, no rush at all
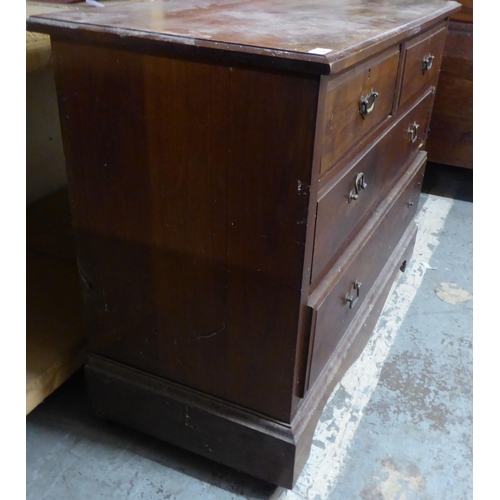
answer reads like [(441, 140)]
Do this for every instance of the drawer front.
[(422, 61), (347, 119), (336, 303), (346, 204)]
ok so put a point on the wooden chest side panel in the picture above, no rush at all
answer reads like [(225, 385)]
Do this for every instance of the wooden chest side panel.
[(273, 118), (189, 189)]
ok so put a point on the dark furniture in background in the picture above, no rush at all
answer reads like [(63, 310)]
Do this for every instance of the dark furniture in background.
[(450, 135), (243, 182)]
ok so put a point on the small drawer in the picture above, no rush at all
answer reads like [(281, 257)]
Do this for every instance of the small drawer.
[(422, 61), (356, 191), (357, 102), (341, 294)]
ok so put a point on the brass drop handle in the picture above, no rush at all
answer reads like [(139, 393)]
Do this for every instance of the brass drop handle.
[(367, 103), (413, 131), (427, 63), (351, 299), (359, 184), (353, 195)]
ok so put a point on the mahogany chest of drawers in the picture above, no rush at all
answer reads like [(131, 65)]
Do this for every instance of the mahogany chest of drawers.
[(243, 178)]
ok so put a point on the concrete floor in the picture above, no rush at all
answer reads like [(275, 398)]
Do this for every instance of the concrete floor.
[(398, 426)]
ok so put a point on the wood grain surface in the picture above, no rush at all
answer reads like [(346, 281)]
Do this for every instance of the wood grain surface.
[(339, 219), (194, 136), (344, 125), (276, 30), (190, 207), (414, 78), (451, 130), (362, 261), (350, 347)]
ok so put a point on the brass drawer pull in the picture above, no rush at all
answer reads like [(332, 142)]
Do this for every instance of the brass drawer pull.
[(353, 195), (359, 184), (366, 104), (350, 299), (427, 63), (413, 131)]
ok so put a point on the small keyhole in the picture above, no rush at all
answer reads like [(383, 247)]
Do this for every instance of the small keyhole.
[(369, 73)]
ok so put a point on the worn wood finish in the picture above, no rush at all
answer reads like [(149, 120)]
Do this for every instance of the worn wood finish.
[(381, 165), (304, 326), (276, 33), (344, 125), (451, 130), (143, 401), (195, 174), (350, 346), (172, 285), (273, 451), (362, 261), (414, 77)]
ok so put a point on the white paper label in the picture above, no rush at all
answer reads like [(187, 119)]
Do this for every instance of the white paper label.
[(320, 51)]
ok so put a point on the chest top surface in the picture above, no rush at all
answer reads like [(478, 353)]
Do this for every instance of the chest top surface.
[(323, 32)]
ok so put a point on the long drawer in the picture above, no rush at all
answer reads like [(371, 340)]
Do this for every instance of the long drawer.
[(356, 191), (339, 296)]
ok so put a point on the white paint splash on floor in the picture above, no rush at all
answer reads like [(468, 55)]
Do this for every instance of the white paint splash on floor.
[(323, 468)]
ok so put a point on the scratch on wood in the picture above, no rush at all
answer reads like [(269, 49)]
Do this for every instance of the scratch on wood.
[(302, 188), (212, 334)]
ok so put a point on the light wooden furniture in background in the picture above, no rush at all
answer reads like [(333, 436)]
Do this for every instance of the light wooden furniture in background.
[(55, 341)]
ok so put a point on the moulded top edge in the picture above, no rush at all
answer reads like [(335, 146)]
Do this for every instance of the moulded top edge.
[(319, 36)]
